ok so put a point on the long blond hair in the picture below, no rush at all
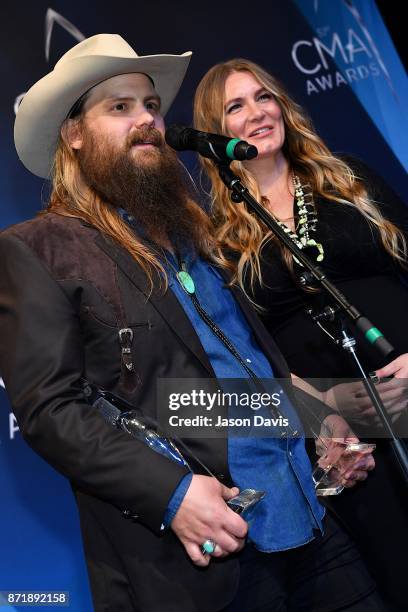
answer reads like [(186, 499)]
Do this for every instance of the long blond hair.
[(307, 156), (71, 197)]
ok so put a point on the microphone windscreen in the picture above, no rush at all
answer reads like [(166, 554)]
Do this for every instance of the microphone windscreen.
[(174, 136)]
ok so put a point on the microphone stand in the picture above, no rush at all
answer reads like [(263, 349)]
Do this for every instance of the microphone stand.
[(314, 274)]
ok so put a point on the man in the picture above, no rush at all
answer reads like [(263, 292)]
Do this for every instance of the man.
[(92, 290)]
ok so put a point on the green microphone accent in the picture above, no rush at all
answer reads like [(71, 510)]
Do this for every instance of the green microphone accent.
[(373, 334), (186, 281), (230, 147)]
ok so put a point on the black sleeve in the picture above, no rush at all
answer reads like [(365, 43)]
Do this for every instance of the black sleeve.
[(388, 202), (41, 362)]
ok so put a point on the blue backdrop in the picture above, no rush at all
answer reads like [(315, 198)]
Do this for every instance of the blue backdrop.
[(338, 61)]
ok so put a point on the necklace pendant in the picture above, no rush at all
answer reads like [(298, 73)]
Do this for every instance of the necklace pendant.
[(186, 281), (312, 242), (320, 248)]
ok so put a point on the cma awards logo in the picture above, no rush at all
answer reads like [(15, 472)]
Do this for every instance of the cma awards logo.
[(354, 52), (51, 18), (13, 427)]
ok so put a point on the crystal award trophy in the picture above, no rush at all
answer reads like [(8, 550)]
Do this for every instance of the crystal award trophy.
[(339, 458), (131, 422)]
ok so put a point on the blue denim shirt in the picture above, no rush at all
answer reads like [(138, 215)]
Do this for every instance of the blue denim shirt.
[(286, 517), (289, 512)]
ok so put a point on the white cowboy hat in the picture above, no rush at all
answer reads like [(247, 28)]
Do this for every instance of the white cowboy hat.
[(95, 59)]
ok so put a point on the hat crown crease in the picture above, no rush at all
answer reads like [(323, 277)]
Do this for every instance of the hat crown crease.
[(111, 45)]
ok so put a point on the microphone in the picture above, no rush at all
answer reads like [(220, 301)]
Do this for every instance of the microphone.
[(214, 146)]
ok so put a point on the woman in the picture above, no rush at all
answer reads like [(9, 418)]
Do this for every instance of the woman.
[(354, 226)]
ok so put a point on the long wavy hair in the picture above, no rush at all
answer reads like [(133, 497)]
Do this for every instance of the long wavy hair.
[(307, 156), (71, 197)]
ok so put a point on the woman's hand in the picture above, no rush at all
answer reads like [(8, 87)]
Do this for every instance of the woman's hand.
[(352, 401), (331, 445), (397, 368)]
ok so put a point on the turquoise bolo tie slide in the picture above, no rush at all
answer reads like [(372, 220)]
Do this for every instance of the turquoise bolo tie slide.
[(208, 547), (187, 283)]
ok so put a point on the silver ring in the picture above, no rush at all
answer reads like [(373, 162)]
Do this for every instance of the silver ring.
[(208, 546)]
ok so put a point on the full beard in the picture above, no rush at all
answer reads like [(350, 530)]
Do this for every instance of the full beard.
[(148, 184)]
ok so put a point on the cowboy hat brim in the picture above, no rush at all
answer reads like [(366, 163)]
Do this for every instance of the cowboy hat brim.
[(46, 105)]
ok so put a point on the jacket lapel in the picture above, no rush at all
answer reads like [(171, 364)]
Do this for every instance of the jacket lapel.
[(166, 304)]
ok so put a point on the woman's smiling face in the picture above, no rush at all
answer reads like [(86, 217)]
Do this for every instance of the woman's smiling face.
[(251, 113)]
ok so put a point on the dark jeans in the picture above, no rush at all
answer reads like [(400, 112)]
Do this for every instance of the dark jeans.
[(325, 575)]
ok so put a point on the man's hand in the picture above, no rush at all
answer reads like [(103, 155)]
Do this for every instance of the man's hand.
[(335, 434), (204, 515)]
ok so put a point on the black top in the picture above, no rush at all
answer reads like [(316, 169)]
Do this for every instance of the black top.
[(356, 262)]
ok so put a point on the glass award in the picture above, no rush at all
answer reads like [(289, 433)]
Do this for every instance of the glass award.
[(330, 468), (132, 422)]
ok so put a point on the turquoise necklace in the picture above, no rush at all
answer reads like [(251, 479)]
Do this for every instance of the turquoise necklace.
[(303, 236)]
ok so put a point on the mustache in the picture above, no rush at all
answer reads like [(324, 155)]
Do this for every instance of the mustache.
[(145, 135)]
